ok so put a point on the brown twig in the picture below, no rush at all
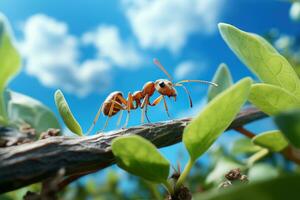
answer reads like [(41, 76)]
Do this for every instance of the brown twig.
[(34, 162), (245, 132)]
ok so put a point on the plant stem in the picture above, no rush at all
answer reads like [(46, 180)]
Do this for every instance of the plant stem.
[(168, 187), (184, 174), (257, 156)]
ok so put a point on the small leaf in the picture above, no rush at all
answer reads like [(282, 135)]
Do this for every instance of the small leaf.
[(200, 134), (22, 108), (285, 187), (289, 123), (261, 58), (141, 158), (9, 62), (244, 146), (272, 99), (224, 80), (66, 114), (272, 140)]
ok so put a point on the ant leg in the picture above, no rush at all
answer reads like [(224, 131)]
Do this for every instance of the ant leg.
[(144, 103), (95, 120), (120, 117), (129, 106), (166, 107), (156, 101), (145, 107), (111, 109)]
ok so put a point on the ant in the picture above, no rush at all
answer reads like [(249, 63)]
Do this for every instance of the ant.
[(116, 102)]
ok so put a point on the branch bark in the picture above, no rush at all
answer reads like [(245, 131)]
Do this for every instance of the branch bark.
[(29, 163)]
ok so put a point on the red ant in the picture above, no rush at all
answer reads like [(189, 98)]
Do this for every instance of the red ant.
[(116, 102)]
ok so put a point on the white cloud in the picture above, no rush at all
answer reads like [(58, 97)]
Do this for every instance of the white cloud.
[(52, 55), (188, 69), (168, 23), (110, 46)]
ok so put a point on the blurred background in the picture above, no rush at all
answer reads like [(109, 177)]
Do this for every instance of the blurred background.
[(91, 48)]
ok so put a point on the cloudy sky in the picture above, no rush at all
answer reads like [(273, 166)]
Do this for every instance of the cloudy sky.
[(91, 48)]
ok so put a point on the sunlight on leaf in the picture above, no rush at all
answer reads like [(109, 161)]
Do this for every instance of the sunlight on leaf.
[(272, 99), (24, 109), (9, 62), (223, 78), (261, 58), (66, 114), (272, 140), (201, 133), (141, 158), (289, 123)]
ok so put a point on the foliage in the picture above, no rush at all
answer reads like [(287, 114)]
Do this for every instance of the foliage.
[(9, 63), (272, 140), (23, 109), (289, 123), (66, 114), (147, 162), (223, 78)]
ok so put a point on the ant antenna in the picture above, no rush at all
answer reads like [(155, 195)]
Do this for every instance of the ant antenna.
[(187, 92), (198, 81), (157, 63)]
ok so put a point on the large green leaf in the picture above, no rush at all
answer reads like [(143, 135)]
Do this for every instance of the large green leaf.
[(66, 114), (200, 134), (272, 99), (141, 158), (286, 187), (22, 108), (289, 123), (261, 58), (224, 80), (9, 62), (272, 140)]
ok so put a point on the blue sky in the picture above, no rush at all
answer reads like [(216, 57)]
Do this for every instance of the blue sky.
[(91, 48)]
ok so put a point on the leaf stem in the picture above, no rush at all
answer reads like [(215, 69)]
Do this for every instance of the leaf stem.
[(168, 187), (184, 174), (257, 156)]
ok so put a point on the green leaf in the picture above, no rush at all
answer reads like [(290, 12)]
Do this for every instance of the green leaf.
[(272, 99), (200, 134), (289, 123), (224, 80), (141, 158), (22, 108), (244, 146), (66, 114), (286, 187), (261, 58), (9, 62), (272, 140)]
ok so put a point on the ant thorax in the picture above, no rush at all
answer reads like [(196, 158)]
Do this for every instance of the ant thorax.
[(165, 87)]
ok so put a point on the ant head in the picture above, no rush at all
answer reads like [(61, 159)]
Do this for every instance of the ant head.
[(165, 87)]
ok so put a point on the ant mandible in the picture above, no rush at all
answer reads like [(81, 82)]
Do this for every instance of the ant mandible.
[(116, 102)]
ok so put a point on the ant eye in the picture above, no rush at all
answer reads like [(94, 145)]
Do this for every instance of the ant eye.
[(162, 84)]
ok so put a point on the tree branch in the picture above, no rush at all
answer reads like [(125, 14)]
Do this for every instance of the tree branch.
[(29, 163)]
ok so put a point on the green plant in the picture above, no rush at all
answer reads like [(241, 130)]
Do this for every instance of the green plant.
[(17, 109), (279, 92)]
